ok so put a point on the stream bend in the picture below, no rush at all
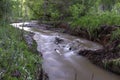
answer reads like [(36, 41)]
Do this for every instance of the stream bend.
[(60, 59)]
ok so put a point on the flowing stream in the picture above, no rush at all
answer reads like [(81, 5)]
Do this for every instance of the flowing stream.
[(60, 58)]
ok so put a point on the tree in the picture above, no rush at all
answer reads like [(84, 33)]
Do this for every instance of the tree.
[(5, 9)]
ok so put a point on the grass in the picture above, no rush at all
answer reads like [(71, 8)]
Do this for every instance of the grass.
[(115, 34), (17, 62), (93, 22), (113, 65)]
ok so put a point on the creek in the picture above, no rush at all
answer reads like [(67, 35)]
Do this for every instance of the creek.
[(60, 58)]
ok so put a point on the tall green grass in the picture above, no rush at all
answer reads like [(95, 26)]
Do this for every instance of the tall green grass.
[(115, 34), (15, 56), (93, 22)]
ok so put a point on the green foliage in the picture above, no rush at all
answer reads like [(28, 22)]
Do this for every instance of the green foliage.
[(108, 4), (11, 10), (65, 9), (5, 9), (116, 34), (91, 23), (36, 8), (16, 9), (112, 65), (15, 56), (116, 8), (55, 15), (76, 10)]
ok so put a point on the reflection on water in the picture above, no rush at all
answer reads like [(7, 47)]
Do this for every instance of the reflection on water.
[(61, 62)]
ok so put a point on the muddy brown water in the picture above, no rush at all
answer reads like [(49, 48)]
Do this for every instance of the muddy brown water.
[(60, 60)]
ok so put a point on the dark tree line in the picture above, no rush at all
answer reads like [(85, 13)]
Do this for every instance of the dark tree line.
[(63, 9)]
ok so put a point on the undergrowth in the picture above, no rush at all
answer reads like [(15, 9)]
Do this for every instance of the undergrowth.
[(115, 34), (16, 61), (93, 22)]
